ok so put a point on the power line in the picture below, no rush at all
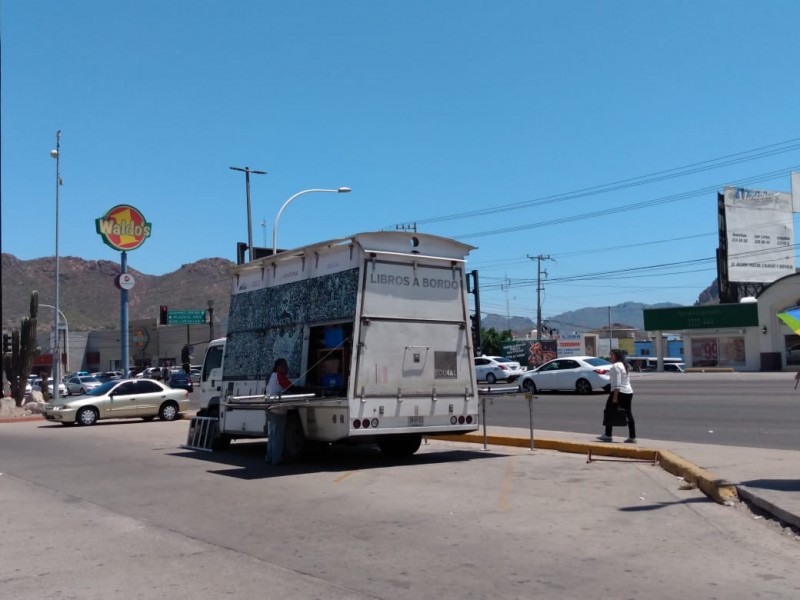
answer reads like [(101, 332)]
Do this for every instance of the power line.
[(627, 207), (675, 172)]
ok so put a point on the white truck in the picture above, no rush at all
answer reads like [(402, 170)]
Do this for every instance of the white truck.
[(376, 331)]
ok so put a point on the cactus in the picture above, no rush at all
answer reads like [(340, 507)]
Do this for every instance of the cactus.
[(19, 362)]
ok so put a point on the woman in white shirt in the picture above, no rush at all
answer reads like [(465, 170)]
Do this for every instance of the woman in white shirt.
[(621, 395)]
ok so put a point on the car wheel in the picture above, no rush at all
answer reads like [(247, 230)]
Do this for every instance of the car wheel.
[(168, 411), (583, 387), (86, 416), (528, 386), (82, 391), (490, 378)]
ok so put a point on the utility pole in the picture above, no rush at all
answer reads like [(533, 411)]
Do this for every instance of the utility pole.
[(504, 286), (539, 289)]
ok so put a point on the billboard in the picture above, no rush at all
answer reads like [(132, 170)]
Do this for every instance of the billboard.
[(759, 235)]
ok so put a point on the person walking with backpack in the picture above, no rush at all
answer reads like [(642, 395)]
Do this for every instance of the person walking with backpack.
[(621, 395)]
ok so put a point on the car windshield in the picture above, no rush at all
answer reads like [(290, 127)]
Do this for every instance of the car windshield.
[(102, 389), (597, 362)]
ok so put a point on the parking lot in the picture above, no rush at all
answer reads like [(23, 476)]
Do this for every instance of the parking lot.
[(119, 510)]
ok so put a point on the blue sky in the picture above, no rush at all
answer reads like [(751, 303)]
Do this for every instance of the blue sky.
[(485, 121)]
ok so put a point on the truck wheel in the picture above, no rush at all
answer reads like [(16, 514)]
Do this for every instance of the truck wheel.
[(401, 445), (294, 444)]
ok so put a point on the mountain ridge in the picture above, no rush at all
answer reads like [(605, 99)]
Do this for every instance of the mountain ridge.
[(89, 298)]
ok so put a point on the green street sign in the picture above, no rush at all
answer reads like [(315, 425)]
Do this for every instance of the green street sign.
[(710, 316), (186, 317)]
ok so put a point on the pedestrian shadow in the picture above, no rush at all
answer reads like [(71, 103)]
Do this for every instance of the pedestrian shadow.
[(779, 485)]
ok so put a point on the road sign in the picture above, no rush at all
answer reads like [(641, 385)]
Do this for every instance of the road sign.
[(186, 317)]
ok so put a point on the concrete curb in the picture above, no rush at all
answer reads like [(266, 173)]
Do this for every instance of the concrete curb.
[(715, 488), (21, 419)]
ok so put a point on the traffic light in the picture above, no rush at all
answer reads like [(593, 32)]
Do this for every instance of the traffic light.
[(163, 315), (6, 343), (475, 321)]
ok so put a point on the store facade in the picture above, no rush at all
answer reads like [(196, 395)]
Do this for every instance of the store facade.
[(748, 336)]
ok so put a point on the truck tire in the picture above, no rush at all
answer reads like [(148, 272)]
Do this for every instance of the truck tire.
[(400, 445), (294, 444)]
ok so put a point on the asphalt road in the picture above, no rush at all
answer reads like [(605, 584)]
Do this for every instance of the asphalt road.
[(760, 410), (119, 511)]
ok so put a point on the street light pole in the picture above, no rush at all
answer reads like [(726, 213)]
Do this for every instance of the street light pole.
[(247, 171), (57, 350), (66, 333), (341, 190)]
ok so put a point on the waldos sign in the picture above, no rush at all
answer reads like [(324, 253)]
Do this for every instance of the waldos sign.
[(123, 228)]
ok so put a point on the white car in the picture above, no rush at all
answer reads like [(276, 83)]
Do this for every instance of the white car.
[(514, 369), (36, 386), (581, 374), (490, 370), (82, 384)]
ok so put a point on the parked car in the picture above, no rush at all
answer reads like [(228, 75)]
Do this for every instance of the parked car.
[(150, 373), (81, 385), (582, 374), (102, 377), (674, 367), (489, 370), (120, 399), (179, 379), (195, 371), (36, 386)]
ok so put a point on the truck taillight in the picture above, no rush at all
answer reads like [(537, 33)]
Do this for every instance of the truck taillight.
[(365, 423), (461, 420)]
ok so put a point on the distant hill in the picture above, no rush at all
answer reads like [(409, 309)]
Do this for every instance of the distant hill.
[(89, 299), (627, 314)]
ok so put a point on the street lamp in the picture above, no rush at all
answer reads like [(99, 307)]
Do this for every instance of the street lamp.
[(57, 351), (66, 331), (247, 171), (341, 190)]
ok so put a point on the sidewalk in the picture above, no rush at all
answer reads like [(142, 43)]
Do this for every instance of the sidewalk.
[(768, 479)]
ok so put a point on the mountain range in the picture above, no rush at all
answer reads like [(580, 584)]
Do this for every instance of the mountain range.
[(89, 299)]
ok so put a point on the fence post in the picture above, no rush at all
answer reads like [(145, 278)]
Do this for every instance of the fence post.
[(483, 418), (530, 416)]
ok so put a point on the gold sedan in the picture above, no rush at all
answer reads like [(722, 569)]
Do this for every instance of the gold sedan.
[(121, 399)]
